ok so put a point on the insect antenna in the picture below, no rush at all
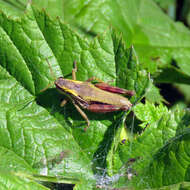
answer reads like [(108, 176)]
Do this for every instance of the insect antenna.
[(52, 74), (51, 71)]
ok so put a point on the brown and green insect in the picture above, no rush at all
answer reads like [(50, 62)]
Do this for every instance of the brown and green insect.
[(99, 97)]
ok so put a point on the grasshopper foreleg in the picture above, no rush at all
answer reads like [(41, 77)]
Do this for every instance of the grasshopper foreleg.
[(63, 102), (82, 114)]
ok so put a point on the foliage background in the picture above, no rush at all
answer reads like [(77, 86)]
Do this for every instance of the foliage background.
[(142, 45)]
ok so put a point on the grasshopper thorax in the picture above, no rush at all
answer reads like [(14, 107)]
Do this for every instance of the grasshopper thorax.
[(60, 82), (67, 85)]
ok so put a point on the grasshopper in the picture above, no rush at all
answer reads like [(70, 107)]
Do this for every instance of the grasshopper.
[(99, 97)]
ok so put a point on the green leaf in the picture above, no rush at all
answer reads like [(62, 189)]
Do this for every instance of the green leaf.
[(36, 137), (157, 39), (13, 8), (83, 186), (160, 151), (152, 33), (175, 152), (168, 6), (54, 8), (14, 171), (165, 3), (11, 181), (149, 113), (51, 139), (153, 94)]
